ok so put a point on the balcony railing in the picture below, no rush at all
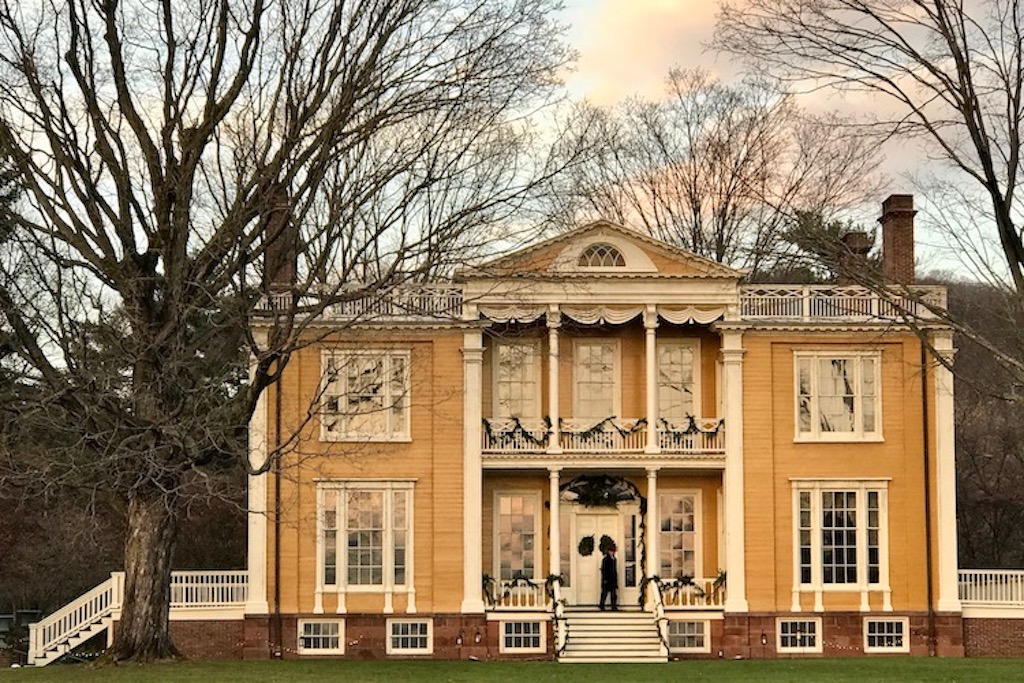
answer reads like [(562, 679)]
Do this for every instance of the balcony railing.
[(515, 594), (839, 302), (693, 436), (699, 593), (410, 302), (992, 587)]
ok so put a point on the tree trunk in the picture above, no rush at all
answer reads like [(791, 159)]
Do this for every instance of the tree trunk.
[(143, 633)]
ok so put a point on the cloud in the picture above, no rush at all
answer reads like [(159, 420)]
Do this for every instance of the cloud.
[(627, 46)]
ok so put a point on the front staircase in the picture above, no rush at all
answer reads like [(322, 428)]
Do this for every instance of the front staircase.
[(627, 635)]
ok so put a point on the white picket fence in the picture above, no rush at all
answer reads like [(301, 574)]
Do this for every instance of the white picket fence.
[(91, 613)]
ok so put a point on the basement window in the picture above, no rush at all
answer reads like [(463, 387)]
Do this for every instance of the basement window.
[(410, 637), (322, 637), (887, 635), (799, 636), (522, 636)]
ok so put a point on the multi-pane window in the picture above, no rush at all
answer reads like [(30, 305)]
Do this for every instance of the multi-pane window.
[(365, 533), (366, 395), (517, 379), (886, 635), (799, 635), (676, 381), (522, 636), (518, 518), (629, 565), (321, 637), (839, 532), (677, 542), (410, 637), (596, 380), (601, 255), (837, 396), (688, 636)]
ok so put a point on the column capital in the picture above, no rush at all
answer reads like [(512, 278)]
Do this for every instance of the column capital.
[(653, 471), (471, 354), (651, 317), (554, 316), (732, 355), (554, 471)]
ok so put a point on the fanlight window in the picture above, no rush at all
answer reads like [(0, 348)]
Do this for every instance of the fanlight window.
[(601, 256)]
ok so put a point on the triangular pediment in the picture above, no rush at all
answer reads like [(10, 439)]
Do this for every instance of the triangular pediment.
[(604, 249)]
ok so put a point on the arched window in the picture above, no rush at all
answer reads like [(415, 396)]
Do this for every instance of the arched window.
[(601, 256)]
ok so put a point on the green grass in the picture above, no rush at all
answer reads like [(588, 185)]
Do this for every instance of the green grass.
[(861, 670)]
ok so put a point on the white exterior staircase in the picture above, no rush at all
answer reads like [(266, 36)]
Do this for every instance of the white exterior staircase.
[(629, 635), (95, 612)]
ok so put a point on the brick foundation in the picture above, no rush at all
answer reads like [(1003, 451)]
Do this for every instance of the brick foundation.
[(209, 639), (993, 637)]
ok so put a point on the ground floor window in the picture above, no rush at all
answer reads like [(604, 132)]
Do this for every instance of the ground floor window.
[(321, 637), (410, 637), (886, 635), (679, 514), (518, 526), (799, 635), (522, 636), (688, 636)]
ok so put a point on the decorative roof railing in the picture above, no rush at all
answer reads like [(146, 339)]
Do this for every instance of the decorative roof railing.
[(840, 302), (803, 303)]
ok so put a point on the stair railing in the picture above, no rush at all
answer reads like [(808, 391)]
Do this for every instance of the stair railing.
[(660, 620), (72, 618), (559, 623)]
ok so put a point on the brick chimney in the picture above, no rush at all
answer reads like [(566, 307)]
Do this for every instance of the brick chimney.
[(898, 239), (280, 241), (853, 256)]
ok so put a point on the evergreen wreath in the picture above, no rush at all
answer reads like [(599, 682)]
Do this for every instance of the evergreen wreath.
[(586, 546), (606, 544)]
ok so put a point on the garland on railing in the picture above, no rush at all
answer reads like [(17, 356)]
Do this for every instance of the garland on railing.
[(691, 427), (559, 621), (489, 584), (597, 429), (679, 584), (507, 437)]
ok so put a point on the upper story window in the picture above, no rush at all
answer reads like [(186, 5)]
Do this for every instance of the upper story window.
[(677, 381), (517, 379), (596, 378), (365, 395), (837, 396), (601, 255)]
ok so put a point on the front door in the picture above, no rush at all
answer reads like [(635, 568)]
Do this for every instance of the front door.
[(587, 580)]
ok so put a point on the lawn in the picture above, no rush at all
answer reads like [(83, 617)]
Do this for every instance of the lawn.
[(859, 670)]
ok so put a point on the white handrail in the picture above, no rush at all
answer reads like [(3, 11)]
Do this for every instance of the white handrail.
[(992, 587), (660, 620), (559, 623), (189, 590)]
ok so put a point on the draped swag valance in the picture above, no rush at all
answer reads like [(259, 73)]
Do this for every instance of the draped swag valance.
[(594, 315)]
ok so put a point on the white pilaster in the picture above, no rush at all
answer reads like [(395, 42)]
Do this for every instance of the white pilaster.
[(256, 561), (651, 370), (735, 557), (472, 470), (554, 535), (945, 475), (554, 321), (651, 523)]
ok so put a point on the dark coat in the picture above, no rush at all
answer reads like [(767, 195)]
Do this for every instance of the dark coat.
[(609, 572)]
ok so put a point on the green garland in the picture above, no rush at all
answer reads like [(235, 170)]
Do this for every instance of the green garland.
[(599, 428), (508, 437)]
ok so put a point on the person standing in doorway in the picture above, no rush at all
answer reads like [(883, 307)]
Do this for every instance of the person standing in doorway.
[(610, 578)]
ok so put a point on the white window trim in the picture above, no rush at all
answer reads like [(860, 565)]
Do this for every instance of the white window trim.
[(818, 636), (341, 587), (696, 390), (340, 650), (537, 538), (698, 525), (411, 651), (706, 648), (817, 585), (523, 650), (616, 376), (904, 649), (537, 367), (818, 436), (405, 435)]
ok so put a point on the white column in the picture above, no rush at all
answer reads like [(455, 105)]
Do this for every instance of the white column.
[(651, 370), (256, 561), (472, 469), (735, 558), (945, 475), (651, 525), (554, 535), (554, 320)]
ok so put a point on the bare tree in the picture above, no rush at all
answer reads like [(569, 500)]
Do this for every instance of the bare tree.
[(172, 155), (947, 72), (716, 168)]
